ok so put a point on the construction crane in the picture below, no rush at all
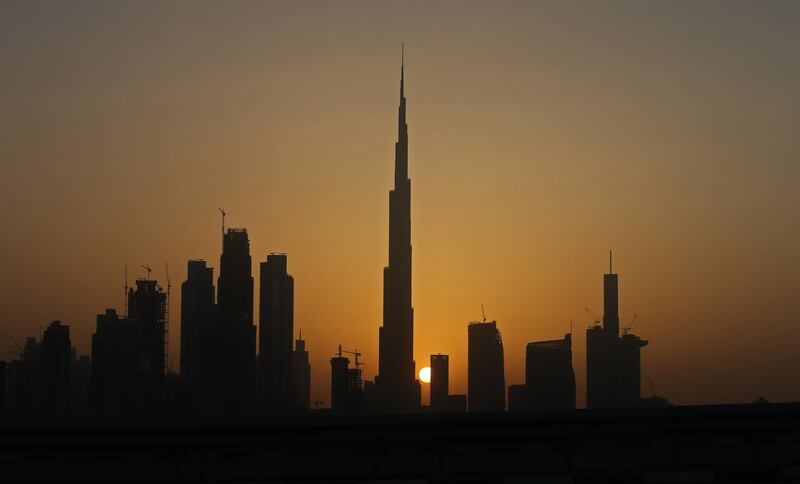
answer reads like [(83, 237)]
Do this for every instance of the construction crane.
[(627, 329), (594, 318), (355, 353), (148, 269), (166, 320), (20, 353), (125, 298)]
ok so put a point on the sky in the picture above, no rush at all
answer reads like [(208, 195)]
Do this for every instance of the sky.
[(541, 135)]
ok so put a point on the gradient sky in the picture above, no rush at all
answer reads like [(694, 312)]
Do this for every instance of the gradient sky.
[(541, 134)]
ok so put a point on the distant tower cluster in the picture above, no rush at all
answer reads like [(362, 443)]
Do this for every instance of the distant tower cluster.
[(227, 371)]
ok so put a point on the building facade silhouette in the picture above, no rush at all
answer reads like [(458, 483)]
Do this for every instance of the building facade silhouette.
[(301, 374), (237, 338), (549, 376), (117, 373), (440, 382), (396, 384), (200, 337), (486, 386), (339, 366), (56, 369), (276, 332)]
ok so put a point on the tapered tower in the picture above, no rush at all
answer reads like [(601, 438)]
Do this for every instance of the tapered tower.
[(396, 384)]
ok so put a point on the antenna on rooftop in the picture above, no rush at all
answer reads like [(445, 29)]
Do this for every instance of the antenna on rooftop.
[(223, 221), (126, 290), (610, 271), (484, 313)]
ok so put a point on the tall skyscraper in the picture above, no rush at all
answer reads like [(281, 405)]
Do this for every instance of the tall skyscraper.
[(276, 324), (301, 374), (396, 384), (237, 338), (199, 334), (486, 385), (613, 363), (549, 377), (56, 363), (440, 382)]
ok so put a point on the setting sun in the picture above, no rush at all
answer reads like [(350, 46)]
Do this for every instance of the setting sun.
[(425, 374)]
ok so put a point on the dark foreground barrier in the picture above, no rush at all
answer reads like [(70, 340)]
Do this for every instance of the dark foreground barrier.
[(749, 443)]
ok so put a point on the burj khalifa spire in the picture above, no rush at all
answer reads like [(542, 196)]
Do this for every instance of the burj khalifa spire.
[(396, 384)]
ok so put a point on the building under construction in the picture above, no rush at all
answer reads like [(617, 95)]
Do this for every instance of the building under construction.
[(613, 362), (148, 305), (347, 384)]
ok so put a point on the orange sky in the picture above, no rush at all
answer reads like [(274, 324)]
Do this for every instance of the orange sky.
[(540, 136)]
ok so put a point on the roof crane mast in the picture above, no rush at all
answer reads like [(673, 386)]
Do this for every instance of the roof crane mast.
[(166, 320), (356, 354), (20, 353), (223, 220), (594, 318), (126, 291), (627, 329), (148, 269)]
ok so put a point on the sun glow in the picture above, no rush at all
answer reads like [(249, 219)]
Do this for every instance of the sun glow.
[(425, 374)]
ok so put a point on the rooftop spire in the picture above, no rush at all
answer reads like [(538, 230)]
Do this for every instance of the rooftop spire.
[(402, 62)]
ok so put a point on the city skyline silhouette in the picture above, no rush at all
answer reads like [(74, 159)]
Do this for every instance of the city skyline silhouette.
[(510, 231)]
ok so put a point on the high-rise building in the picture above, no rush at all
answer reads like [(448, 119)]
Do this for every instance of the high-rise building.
[(117, 366), (613, 364), (339, 365), (630, 369), (237, 339), (199, 334), (347, 385), (301, 374), (396, 384), (56, 362), (549, 377), (486, 386), (197, 323), (80, 383), (276, 325), (440, 382), (148, 305)]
